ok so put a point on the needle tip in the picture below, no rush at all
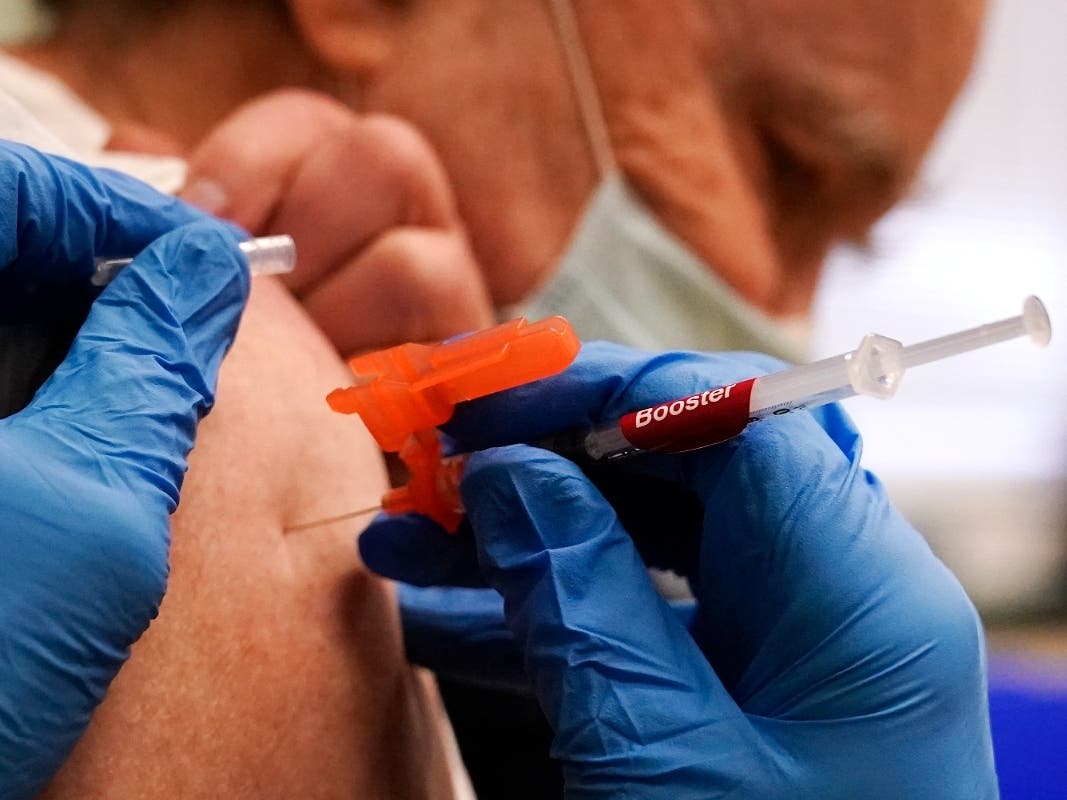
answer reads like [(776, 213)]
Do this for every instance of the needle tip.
[(315, 523)]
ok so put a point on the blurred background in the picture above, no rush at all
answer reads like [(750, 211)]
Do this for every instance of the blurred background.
[(17, 19), (973, 450)]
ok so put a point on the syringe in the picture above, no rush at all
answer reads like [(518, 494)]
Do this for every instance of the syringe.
[(267, 255), (875, 368), (718, 413)]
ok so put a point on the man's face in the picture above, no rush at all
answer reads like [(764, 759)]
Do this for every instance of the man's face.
[(836, 103), (758, 131)]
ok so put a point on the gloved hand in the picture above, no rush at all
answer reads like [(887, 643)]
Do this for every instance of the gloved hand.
[(91, 469), (831, 654)]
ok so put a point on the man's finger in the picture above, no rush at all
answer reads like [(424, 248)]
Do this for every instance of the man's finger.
[(411, 284), (334, 183)]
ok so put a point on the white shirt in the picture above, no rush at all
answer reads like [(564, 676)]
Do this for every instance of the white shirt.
[(39, 110)]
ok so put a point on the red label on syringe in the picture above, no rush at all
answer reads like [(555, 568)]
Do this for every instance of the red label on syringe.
[(689, 423)]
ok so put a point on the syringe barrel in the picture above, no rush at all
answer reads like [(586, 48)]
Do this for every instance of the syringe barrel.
[(799, 387), (606, 442), (806, 386), (270, 255), (266, 255), (675, 426), (874, 368)]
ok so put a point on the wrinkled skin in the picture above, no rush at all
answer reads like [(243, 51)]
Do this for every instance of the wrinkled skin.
[(760, 131), (275, 668)]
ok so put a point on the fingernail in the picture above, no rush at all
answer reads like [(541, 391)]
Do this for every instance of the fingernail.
[(207, 195)]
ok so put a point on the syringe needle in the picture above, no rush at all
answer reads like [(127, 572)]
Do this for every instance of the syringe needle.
[(303, 526), (681, 424)]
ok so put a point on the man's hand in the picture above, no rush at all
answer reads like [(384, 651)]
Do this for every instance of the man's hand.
[(831, 655), (91, 469), (383, 256)]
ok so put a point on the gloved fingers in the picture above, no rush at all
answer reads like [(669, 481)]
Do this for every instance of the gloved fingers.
[(415, 550), (839, 426), (804, 561), (461, 635), (801, 559), (90, 471), (630, 696), (410, 284), (605, 382), (143, 369), (783, 502), (64, 214), (819, 603)]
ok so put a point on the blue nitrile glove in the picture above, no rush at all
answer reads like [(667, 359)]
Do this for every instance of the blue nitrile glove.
[(831, 655), (90, 470)]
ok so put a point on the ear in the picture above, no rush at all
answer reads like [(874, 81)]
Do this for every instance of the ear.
[(349, 36)]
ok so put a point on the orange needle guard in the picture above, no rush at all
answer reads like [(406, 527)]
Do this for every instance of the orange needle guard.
[(403, 393)]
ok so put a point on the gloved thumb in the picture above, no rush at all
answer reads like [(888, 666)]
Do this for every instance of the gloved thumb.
[(90, 470), (623, 685), (114, 424), (144, 366)]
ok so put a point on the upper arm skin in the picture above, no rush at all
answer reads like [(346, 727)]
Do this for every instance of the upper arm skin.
[(275, 668)]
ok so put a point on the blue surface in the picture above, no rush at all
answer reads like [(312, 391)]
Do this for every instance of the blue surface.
[(1028, 706)]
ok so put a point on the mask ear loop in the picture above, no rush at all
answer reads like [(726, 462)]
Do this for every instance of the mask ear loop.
[(581, 75)]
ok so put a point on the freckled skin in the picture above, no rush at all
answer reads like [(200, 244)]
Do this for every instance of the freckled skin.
[(275, 668), (680, 82), (706, 102)]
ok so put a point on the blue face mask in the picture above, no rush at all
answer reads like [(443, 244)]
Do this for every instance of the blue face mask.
[(626, 278)]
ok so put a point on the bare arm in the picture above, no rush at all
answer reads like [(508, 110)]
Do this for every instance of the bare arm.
[(275, 667)]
